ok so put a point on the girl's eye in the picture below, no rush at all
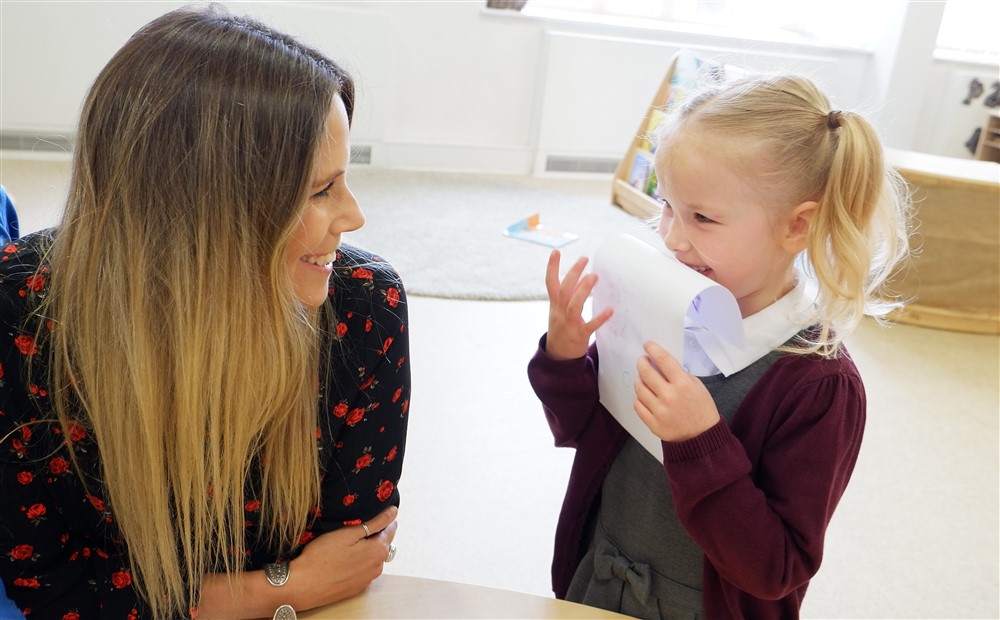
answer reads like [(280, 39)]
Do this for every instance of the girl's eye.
[(698, 217), (323, 193), (666, 205)]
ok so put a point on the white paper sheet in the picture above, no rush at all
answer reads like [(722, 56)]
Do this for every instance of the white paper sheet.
[(651, 293)]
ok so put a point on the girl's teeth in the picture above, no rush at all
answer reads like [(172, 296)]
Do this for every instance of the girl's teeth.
[(319, 260)]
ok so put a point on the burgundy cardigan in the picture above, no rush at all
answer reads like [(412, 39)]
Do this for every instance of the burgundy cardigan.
[(756, 495)]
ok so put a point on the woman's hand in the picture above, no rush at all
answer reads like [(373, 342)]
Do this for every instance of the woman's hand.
[(341, 563), (673, 403), (569, 335), (332, 567)]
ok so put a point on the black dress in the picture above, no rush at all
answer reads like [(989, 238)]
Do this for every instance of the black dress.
[(61, 555)]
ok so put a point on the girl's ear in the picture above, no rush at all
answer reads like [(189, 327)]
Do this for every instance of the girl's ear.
[(796, 237)]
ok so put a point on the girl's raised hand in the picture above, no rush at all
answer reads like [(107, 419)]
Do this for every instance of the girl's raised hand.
[(673, 403), (569, 334)]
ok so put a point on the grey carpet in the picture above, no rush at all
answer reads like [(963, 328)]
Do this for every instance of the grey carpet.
[(444, 231)]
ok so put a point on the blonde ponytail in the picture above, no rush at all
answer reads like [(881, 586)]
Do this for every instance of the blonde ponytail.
[(859, 234)]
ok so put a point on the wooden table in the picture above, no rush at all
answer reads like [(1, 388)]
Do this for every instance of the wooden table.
[(395, 596)]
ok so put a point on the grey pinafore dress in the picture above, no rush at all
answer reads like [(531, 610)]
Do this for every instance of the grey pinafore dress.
[(641, 562)]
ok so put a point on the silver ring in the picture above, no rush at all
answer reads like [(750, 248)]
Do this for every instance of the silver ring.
[(285, 612), (277, 573), (392, 553), (367, 533)]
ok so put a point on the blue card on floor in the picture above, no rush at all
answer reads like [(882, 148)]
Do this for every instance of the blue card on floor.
[(531, 229)]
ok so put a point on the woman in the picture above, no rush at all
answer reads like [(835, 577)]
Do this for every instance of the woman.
[(193, 411)]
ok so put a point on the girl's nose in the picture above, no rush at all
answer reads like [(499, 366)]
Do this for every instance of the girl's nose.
[(674, 236)]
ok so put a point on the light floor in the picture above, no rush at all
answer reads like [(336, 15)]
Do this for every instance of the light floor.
[(916, 535)]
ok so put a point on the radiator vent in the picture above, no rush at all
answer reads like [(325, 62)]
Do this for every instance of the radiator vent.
[(560, 163), (35, 143), (361, 154), (59, 143)]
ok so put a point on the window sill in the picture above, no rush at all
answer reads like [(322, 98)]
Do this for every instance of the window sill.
[(679, 32), (966, 58)]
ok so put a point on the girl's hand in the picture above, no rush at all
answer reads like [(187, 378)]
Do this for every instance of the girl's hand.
[(569, 335), (673, 403), (341, 563)]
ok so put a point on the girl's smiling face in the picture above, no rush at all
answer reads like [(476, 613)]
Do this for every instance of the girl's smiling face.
[(330, 210), (715, 221)]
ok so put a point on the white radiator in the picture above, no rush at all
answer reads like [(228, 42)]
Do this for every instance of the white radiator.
[(594, 90)]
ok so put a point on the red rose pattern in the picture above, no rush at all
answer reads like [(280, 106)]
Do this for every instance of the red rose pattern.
[(25, 344), (121, 579), (96, 502), (35, 282), (36, 511), (362, 462), (355, 416), (392, 297), (384, 491), (77, 432), (22, 552), (58, 466)]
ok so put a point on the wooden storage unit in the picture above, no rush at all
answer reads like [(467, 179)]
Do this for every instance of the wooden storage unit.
[(954, 277), (989, 139)]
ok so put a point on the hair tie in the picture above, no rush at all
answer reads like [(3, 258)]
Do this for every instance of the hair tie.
[(833, 119)]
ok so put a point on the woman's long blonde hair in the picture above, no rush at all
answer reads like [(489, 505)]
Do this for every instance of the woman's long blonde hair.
[(798, 150), (177, 340)]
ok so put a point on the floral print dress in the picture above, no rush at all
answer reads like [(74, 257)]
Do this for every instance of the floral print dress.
[(61, 555)]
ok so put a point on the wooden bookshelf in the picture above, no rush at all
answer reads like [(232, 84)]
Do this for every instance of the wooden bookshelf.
[(630, 186), (634, 184), (989, 139)]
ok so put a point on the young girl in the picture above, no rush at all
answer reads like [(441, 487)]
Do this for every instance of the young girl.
[(753, 174)]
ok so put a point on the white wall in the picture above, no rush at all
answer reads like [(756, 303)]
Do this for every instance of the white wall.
[(454, 86)]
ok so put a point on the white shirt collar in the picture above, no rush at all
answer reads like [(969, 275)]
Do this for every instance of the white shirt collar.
[(768, 329)]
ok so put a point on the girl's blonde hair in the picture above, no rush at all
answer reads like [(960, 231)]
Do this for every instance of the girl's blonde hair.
[(176, 336), (799, 150)]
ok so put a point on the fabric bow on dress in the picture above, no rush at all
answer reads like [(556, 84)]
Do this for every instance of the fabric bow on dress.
[(610, 564)]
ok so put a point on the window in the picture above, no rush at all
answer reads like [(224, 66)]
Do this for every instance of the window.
[(823, 23), (969, 31)]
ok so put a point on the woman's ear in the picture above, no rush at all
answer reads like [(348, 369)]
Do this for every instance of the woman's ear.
[(798, 222)]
